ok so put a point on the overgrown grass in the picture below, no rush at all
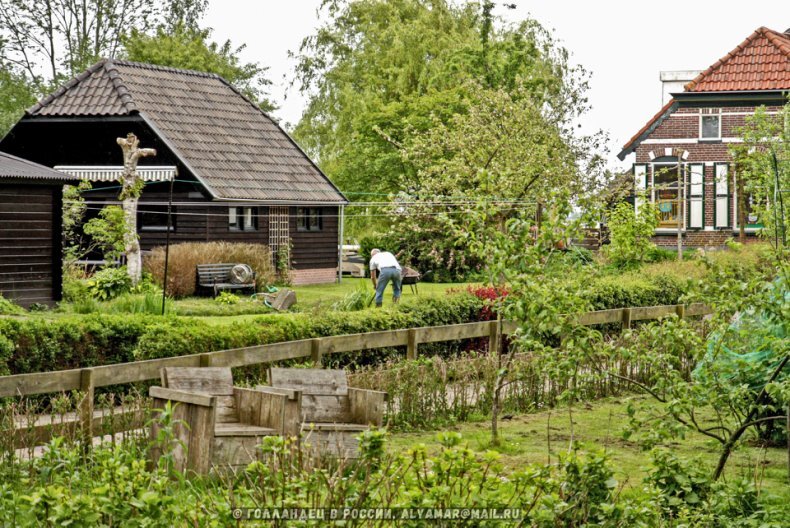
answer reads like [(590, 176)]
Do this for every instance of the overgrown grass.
[(543, 436)]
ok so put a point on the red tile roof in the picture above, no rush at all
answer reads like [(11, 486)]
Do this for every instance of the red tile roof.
[(761, 62)]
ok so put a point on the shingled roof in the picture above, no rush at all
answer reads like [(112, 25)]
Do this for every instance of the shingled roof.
[(12, 167), (231, 146), (759, 63)]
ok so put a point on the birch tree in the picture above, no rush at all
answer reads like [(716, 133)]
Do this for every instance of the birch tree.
[(132, 188)]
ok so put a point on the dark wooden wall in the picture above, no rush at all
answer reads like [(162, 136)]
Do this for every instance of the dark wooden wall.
[(30, 243), (315, 249)]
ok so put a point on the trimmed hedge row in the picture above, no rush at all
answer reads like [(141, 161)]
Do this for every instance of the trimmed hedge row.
[(41, 345)]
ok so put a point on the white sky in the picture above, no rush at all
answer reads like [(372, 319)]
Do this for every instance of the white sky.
[(624, 43)]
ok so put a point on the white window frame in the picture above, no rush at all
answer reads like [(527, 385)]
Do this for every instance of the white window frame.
[(683, 201), (701, 117)]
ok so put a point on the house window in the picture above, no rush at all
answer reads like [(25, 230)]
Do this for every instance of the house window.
[(665, 195), (309, 219), (243, 218), (710, 127), (154, 218)]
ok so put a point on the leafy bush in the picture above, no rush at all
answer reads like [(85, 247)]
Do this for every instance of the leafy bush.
[(99, 339), (109, 283), (185, 257), (631, 233), (226, 297), (634, 289), (9, 307)]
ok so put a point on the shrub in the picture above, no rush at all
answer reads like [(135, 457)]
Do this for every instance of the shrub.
[(99, 339), (626, 290), (185, 257), (631, 233), (109, 283), (9, 308)]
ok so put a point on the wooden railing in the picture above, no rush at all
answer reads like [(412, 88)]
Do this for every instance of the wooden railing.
[(88, 379)]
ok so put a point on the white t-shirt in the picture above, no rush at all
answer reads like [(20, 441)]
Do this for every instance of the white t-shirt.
[(385, 259)]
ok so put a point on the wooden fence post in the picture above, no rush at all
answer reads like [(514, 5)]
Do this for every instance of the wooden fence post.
[(315, 352), (86, 407), (680, 309), (412, 344), (493, 338), (626, 318), (205, 360)]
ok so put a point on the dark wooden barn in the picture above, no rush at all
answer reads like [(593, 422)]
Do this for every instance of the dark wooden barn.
[(30, 231), (240, 175)]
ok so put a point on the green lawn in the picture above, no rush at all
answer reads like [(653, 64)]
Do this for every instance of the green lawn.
[(539, 438)]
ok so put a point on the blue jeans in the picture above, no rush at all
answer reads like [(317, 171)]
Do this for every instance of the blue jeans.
[(386, 275)]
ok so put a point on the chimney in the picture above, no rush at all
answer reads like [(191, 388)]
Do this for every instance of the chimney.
[(674, 81)]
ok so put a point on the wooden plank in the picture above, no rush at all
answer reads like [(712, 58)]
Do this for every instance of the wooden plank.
[(626, 318), (411, 344), (696, 309), (243, 429), (370, 340), (367, 406), (257, 355), (332, 443), (41, 382), (493, 338), (191, 398), (86, 407), (310, 381), (315, 352), (509, 327), (217, 381), (201, 436), (433, 334), (640, 313), (140, 370), (330, 408), (234, 450), (226, 409), (600, 317)]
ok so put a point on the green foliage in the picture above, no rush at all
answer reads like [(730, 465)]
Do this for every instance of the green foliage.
[(631, 233), (359, 299), (191, 48), (763, 170), (634, 289), (100, 339), (226, 297), (16, 94), (107, 232), (9, 307), (378, 72), (109, 283)]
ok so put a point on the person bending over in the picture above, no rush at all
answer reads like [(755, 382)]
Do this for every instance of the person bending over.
[(384, 268)]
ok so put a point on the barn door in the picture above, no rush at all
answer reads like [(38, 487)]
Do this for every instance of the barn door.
[(280, 236)]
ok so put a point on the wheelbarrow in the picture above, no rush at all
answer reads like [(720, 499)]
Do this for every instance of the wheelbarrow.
[(411, 277)]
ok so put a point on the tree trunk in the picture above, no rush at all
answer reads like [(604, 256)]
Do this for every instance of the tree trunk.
[(134, 261), (132, 188)]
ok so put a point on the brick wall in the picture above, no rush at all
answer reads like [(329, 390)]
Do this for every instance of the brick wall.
[(314, 276)]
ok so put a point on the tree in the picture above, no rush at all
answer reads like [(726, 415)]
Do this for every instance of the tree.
[(377, 71), (16, 94), (186, 46), (762, 163), (52, 39), (132, 188)]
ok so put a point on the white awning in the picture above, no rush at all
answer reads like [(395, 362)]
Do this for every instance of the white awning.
[(109, 173)]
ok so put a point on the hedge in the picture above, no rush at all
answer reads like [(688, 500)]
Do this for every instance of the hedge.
[(41, 345)]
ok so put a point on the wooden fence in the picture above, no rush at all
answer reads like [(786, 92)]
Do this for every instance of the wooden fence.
[(88, 379)]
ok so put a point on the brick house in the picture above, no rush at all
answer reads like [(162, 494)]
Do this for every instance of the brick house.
[(240, 176), (695, 129)]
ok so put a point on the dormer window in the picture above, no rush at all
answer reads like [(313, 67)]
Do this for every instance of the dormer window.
[(710, 127)]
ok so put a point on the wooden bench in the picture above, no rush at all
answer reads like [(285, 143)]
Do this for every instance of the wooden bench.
[(214, 423), (331, 413), (216, 278)]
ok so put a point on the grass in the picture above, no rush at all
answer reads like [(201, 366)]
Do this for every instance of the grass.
[(540, 437)]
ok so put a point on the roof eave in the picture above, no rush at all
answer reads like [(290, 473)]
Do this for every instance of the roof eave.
[(653, 124)]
